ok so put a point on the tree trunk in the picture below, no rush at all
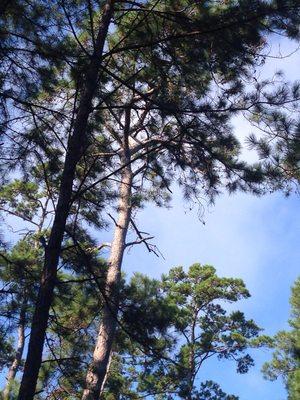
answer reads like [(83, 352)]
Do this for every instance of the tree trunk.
[(74, 152), (191, 362), (19, 352), (97, 372)]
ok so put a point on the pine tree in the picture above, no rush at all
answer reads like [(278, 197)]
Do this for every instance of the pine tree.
[(21, 266), (74, 152), (171, 327), (285, 362), (20, 270), (168, 125), (76, 304)]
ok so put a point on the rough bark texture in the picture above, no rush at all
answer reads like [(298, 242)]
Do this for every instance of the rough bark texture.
[(19, 352), (52, 252), (97, 372)]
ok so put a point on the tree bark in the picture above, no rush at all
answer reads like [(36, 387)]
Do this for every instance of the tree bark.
[(19, 352), (97, 372), (74, 152)]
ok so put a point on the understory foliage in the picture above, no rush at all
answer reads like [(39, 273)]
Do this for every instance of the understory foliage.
[(199, 328), (167, 328), (75, 306)]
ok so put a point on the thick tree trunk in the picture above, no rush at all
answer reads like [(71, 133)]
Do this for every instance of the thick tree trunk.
[(75, 150), (19, 352), (97, 372)]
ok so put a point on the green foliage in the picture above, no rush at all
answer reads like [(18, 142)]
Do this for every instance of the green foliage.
[(285, 361), (74, 315), (190, 325), (20, 198), (211, 391), (167, 329), (6, 348)]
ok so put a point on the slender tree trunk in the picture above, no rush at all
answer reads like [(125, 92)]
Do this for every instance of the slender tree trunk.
[(19, 352), (191, 363), (107, 373), (97, 372), (75, 150)]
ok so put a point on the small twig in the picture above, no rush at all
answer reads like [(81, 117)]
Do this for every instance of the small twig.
[(142, 240), (110, 216), (150, 248)]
